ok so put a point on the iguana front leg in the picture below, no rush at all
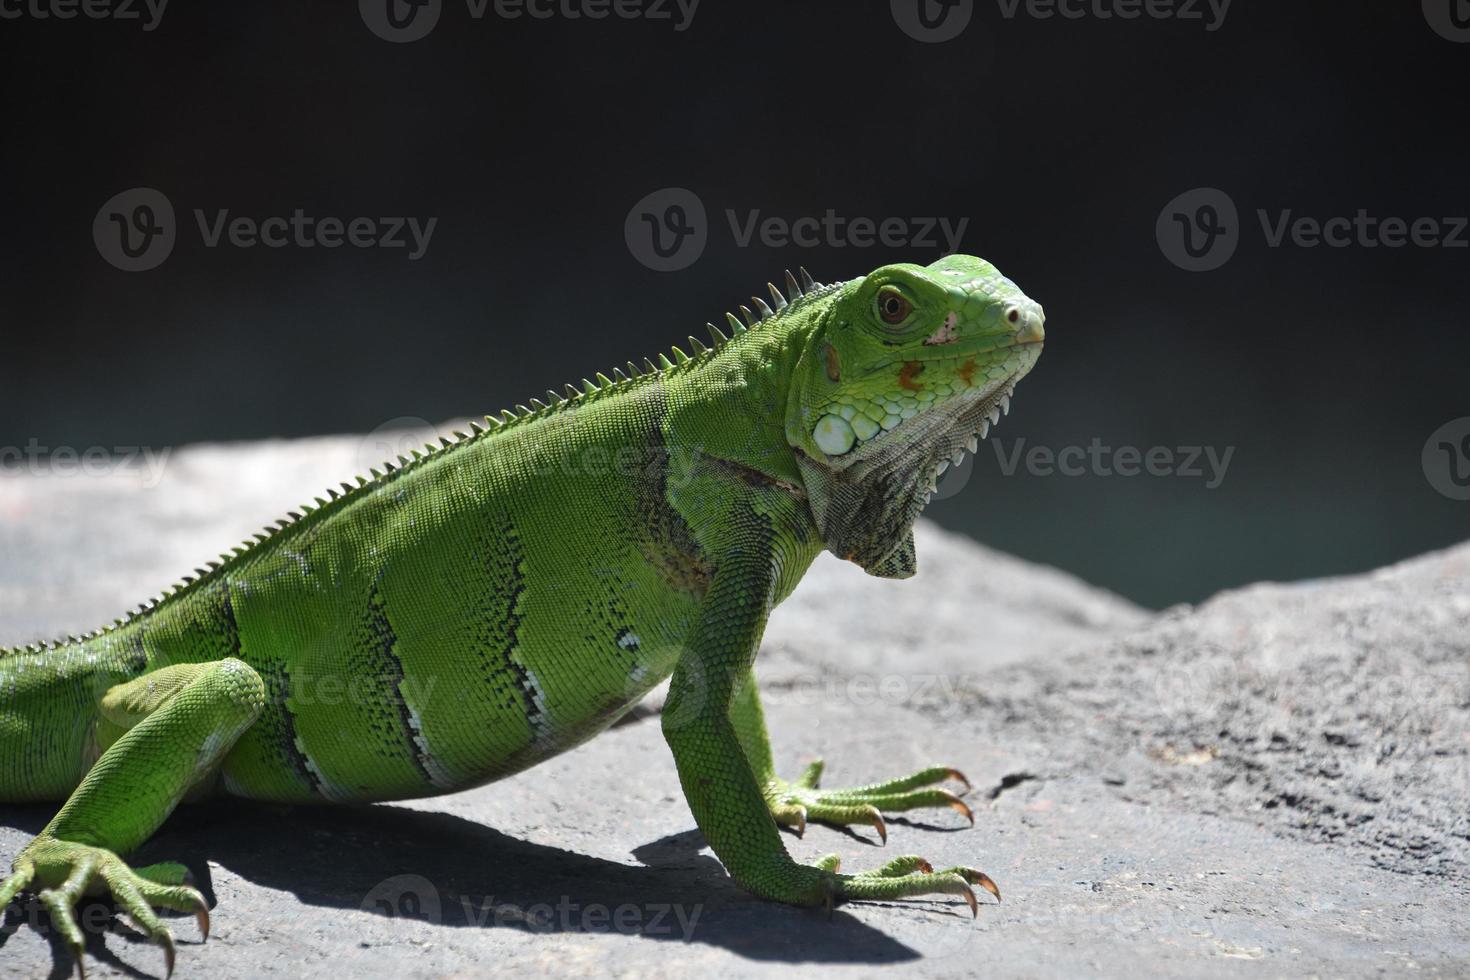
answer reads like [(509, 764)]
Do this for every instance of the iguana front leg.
[(728, 802), (795, 802), (172, 728)]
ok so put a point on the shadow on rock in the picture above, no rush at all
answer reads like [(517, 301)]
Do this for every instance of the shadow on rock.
[(448, 871)]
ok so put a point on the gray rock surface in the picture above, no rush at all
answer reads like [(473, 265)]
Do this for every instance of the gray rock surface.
[(1276, 782)]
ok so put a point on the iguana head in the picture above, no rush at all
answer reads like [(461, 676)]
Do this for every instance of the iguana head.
[(907, 369)]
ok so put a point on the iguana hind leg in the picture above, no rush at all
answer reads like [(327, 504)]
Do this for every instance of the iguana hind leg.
[(169, 730)]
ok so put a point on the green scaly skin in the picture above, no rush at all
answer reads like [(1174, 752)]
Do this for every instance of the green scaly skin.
[(492, 602)]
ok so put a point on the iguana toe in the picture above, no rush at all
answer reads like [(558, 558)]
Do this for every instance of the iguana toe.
[(913, 876), (811, 776), (793, 804), (848, 813), (20, 879)]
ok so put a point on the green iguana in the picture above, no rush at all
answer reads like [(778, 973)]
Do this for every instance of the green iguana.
[(501, 598)]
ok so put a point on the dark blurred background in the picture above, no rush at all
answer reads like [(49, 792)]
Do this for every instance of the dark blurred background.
[(1060, 140)]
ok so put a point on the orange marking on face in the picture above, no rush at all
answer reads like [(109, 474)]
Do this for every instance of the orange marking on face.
[(834, 366), (907, 373), (967, 372)]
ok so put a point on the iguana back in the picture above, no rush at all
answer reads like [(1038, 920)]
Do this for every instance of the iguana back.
[(461, 615)]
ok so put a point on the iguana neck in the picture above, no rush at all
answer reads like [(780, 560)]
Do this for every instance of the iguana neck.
[(733, 406)]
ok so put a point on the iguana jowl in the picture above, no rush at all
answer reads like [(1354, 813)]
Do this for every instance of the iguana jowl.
[(497, 600)]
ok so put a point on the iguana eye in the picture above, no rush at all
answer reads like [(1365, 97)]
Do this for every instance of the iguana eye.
[(893, 307)]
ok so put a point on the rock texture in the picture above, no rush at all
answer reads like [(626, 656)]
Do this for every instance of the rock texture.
[(1275, 782)]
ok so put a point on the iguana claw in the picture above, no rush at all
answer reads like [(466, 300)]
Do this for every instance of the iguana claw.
[(959, 777), (982, 879), (879, 825), (958, 804), (973, 902), (201, 916)]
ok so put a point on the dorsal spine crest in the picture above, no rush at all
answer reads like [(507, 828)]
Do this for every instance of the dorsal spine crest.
[(796, 292)]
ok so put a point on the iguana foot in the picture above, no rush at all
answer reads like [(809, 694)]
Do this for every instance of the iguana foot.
[(65, 871), (794, 803), (905, 877)]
